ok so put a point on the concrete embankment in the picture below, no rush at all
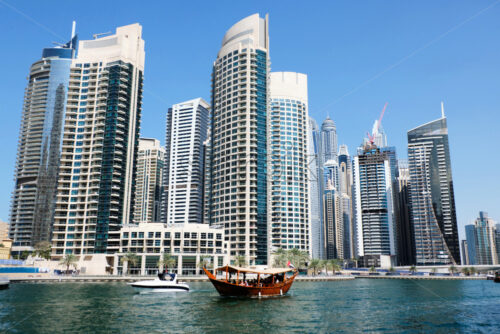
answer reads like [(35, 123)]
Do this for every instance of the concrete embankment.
[(424, 277), (126, 279)]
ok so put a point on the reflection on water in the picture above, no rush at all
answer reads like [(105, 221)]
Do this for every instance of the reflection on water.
[(344, 306)]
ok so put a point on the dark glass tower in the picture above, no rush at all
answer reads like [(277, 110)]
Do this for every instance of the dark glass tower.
[(38, 154), (432, 198)]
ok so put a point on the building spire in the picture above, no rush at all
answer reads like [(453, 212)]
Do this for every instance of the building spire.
[(442, 110)]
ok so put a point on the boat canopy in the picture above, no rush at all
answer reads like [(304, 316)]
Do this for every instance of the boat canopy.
[(272, 271)]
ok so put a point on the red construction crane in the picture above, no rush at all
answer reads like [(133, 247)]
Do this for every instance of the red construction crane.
[(371, 137)]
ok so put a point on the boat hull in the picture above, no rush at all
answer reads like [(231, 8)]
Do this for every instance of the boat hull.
[(158, 285), (234, 290)]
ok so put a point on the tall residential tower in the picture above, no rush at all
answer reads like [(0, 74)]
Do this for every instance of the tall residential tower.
[(95, 193), (240, 100), (148, 181), (187, 126), (289, 214)]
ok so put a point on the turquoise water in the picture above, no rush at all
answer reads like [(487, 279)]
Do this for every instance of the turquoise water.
[(319, 307)]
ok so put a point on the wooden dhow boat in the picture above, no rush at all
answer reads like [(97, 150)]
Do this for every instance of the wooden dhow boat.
[(247, 282)]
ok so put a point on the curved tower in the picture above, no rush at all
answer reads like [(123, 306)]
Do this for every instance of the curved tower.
[(239, 138), (38, 152), (328, 140), (432, 197)]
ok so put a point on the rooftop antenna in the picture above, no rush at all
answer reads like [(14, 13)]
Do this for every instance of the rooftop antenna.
[(73, 30), (442, 110)]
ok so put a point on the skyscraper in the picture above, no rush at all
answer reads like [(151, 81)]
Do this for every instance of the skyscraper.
[(482, 236), (470, 237), (345, 189), (373, 193), (240, 84), (316, 191), (432, 198), (328, 140), (332, 219), (465, 252), (100, 142), (289, 214), (404, 231), (187, 127), (148, 181), (39, 147)]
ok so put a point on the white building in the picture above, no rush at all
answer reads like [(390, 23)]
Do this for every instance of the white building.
[(289, 214), (186, 131), (99, 149), (239, 138), (186, 244), (148, 181)]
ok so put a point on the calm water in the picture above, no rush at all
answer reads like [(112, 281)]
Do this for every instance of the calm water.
[(322, 307)]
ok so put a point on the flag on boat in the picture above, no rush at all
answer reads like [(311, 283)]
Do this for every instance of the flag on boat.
[(290, 265)]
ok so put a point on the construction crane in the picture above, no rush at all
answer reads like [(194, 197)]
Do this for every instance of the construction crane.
[(371, 137), (101, 34)]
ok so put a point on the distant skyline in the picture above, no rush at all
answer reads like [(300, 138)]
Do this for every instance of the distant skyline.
[(357, 57)]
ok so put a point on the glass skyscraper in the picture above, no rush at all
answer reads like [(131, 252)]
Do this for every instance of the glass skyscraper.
[(328, 140), (290, 220), (373, 194), (482, 236), (432, 198), (316, 187), (239, 166), (39, 148)]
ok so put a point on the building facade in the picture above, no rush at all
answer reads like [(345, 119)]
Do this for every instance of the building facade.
[(39, 148), (240, 101), (186, 243), (289, 214), (95, 194), (148, 181), (375, 231), (187, 126), (432, 198)]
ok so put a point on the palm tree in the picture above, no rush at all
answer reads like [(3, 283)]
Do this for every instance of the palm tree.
[(323, 264), (372, 269), (280, 258), (413, 269), (335, 265), (43, 249), (314, 265), (130, 259), (297, 257), (392, 270), (452, 269), (205, 262), (433, 271), (167, 260), (68, 260), (466, 271), (240, 261), (472, 270)]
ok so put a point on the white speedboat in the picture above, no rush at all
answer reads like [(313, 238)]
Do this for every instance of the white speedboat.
[(4, 283), (164, 283)]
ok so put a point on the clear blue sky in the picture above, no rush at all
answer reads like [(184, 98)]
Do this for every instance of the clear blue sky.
[(357, 54)]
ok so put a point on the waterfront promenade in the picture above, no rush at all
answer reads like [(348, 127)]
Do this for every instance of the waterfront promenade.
[(16, 278)]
